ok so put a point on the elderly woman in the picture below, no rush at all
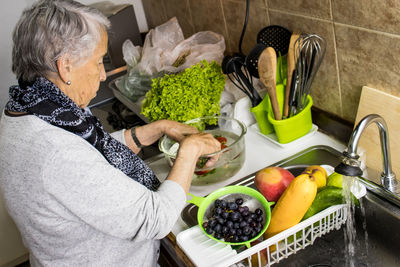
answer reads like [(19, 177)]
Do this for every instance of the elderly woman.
[(79, 195)]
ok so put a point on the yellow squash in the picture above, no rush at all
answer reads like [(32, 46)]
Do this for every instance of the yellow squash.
[(293, 204)]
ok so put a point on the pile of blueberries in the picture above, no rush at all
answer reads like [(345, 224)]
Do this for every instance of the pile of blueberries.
[(233, 222)]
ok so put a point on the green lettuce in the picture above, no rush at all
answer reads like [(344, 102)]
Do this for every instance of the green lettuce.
[(191, 94)]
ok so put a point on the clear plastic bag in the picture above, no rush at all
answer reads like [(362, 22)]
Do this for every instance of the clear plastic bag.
[(135, 83), (166, 51)]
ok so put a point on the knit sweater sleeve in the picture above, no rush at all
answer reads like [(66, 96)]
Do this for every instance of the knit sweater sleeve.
[(119, 136), (103, 197)]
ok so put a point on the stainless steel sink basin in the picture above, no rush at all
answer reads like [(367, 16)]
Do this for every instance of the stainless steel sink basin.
[(377, 223)]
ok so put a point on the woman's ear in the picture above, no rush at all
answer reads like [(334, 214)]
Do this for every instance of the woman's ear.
[(64, 67)]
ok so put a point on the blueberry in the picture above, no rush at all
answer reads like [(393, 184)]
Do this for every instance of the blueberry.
[(241, 209), (239, 231), (212, 223), (225, 215), (209, 230), (223, 204), (224, 230), (235, 239), (236, 225), (217, 203), (246, 230), (243, 224), (258, 212), (245, 213), (235, 216), (259, 219), (218, 228), (253, 233), (244, 238), (249, 220), (232, 206), (253, 216), (218, 236), (218, 211), (221, 220), (232, 231), (239, 201), (229, 224)]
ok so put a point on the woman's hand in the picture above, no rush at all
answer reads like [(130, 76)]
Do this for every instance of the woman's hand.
[(200, 144), (178, 131), (190, 149), (150, 133)]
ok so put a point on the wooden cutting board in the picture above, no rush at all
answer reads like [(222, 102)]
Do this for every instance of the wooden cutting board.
[(387, 106)]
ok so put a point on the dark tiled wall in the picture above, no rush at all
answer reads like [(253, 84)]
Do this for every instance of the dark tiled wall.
[(363, 38)]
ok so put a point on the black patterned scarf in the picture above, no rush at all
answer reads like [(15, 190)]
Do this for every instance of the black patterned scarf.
[(45, 100)]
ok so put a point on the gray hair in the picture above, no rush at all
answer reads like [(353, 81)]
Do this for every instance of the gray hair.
[(50, 29)]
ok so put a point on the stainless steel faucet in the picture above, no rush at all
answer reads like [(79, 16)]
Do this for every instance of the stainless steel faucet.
[(388, 178)]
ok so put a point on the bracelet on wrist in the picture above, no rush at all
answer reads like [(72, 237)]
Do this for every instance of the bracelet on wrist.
[(134, 137)]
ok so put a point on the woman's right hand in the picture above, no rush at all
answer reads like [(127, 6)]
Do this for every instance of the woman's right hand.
[(200, 144), (190, 149)]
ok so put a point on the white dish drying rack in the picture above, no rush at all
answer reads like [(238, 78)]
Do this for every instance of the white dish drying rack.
[(204, 251)]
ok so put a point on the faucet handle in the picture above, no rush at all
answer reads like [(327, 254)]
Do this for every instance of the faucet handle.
[(389, 181)]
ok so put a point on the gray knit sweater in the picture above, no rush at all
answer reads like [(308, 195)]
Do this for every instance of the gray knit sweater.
[(72, 207)]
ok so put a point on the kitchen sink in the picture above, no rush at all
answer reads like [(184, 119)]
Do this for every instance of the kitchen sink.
[(377, 223)]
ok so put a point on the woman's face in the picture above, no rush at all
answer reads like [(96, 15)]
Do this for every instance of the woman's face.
[(85, 79)]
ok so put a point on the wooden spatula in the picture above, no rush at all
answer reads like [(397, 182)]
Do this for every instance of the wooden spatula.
[(291, 65), (267, 73)]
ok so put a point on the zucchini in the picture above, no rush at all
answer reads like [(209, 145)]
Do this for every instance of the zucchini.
[(326, 197)]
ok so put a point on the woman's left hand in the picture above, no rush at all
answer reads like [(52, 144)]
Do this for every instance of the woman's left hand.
[(178, 131), (150, 133)]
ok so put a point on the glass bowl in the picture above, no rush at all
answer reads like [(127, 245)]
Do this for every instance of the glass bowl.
[(230, 132)]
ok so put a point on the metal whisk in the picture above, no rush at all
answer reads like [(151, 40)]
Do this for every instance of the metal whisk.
[(309, 52)]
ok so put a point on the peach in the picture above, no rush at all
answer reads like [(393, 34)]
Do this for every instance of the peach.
[(272, 182), (319, 173)]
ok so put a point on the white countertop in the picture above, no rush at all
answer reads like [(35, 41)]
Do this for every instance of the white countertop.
[(260, 153)]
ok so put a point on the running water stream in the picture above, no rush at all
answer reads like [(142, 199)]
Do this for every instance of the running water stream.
[(350, 234)]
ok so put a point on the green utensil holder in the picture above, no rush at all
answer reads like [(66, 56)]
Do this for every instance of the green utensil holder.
[(261, 111), (288, 130)]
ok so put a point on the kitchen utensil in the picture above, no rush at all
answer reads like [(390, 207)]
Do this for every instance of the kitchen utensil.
[(291, 65), (246, 19), (231, 157), (252, 59), (267, 72), (237, 73), (275, 36), (308, 56), (292, 94), (374, 101), (251, 197)]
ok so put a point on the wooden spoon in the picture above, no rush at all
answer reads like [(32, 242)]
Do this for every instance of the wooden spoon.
[(267, 73), (291, 65)]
